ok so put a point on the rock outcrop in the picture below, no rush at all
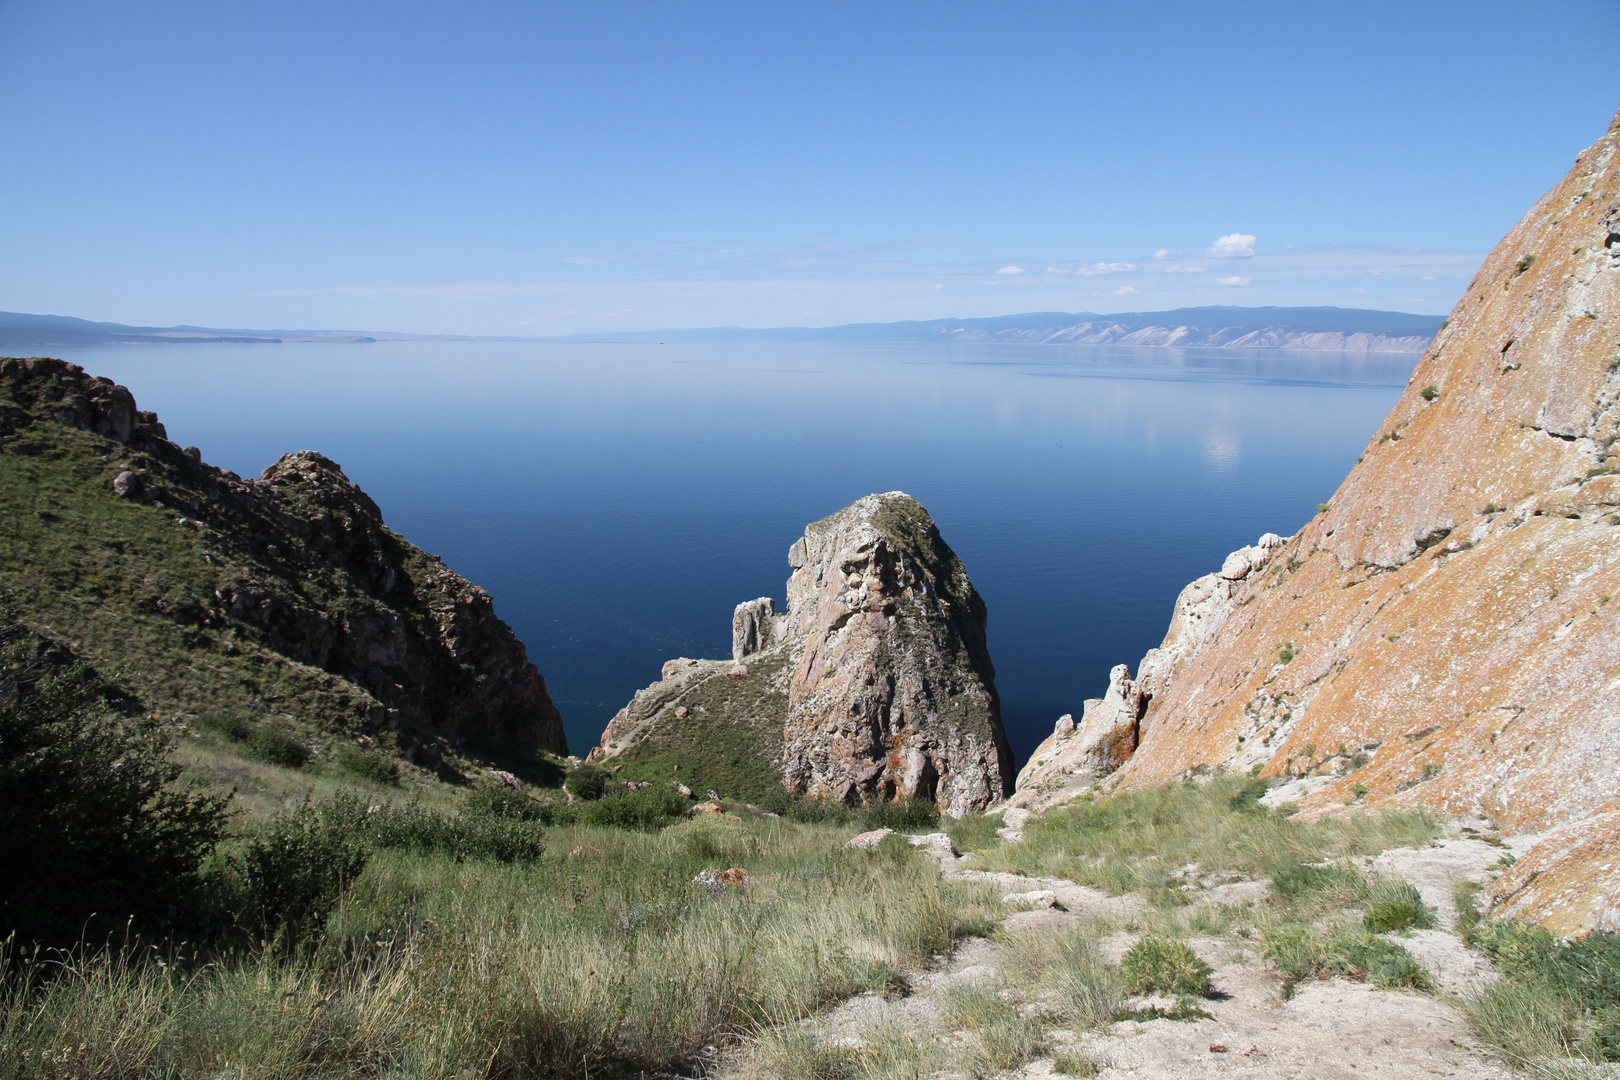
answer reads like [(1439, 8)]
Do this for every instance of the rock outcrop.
[(226, 599), (874, 684), (1442, 635)]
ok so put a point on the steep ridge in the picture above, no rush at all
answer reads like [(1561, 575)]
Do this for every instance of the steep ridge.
[(1442, 635), (241, 602), (875, 683)]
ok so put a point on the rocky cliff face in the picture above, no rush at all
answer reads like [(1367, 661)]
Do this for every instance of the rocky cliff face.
[(1446, 634), (874, 684), (282, 596)]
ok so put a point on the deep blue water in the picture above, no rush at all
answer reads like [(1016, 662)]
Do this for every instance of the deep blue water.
[(618, 500)]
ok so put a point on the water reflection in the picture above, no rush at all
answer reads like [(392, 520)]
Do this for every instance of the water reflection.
[(618, 500)]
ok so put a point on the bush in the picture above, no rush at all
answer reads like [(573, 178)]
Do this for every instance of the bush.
[(1162, 965), (493, 800), (294, 871), (95, 832), (272, 745), (817, 812), (587, 782), (1585, 973), (461, 836), (369, 765), (971, 832), (646, 808), (1301, 952), (1396, 905), (901, 815)]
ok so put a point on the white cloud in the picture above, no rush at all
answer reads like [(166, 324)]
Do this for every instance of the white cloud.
[(1011, 270), (1124, 290), (1162, 253), (1233, 246), (939, 286), (1235, 279), (1184, 270), (1094, 269)]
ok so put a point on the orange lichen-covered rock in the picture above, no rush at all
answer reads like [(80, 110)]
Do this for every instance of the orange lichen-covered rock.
[(1446, 633)]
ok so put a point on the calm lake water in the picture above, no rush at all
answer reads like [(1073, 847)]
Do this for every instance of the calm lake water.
[(618, 500)]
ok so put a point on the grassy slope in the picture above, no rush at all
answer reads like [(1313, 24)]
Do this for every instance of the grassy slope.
[(122, 584), (730, 740), (602, 956)]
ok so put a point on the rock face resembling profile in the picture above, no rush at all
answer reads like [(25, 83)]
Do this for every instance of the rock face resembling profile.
[(1446, 633), (874, 684)]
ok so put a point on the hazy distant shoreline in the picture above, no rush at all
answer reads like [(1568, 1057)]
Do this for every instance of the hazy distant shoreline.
[(1320, 329)]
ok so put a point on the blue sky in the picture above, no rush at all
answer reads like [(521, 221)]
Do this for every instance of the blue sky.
[(539, 168)]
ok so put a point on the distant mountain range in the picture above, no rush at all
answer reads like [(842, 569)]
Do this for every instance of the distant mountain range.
[(17, 328), (1318, 329)]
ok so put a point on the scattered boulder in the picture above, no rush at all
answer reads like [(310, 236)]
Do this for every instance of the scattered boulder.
[(734, 876), (866, 841)]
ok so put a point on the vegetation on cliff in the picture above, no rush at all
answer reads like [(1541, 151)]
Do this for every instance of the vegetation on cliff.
[(275, 618)]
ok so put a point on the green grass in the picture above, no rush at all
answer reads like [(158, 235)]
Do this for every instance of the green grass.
[(1302, 952), (1135, 842), (141, 596), (1396, 905), (1163, 965), (1557, 1000), (730, 739), (599, 956)]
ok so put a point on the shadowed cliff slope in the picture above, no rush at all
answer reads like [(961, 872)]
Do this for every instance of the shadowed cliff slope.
[(237, 603), (1446, 633)]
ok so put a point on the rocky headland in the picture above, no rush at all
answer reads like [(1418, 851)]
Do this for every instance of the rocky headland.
[(874, 684), (282, 599), (1444, 633)]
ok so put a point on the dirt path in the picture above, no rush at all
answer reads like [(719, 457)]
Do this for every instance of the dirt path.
[(1332, 1029)]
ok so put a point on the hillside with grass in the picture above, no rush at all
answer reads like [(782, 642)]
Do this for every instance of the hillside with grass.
[(275, 619)]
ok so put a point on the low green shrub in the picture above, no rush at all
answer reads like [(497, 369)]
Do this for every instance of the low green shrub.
[(93, 829), (646, 808), (901, 815), (1073, 1063), (461, 836), (369, 765), (1465, 896), (587, 782), (1585, 973), (971, 832), (493, 800), (1303, 952), (292, 873), (1396, 905), (714, 838), (1293, 879), (277, 747), (1163, 965)]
